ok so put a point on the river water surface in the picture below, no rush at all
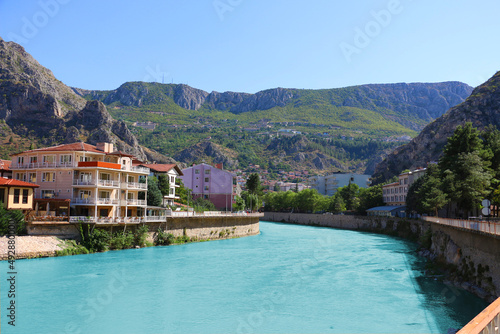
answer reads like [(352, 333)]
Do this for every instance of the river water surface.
[(288, 279)]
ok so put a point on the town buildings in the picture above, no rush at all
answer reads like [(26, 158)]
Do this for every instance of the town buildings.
[(328, 185), (211, 183), (394, 194), (99, 183), (5, 169)]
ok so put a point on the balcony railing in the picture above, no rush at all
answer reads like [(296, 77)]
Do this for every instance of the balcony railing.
[(106, 220), (134, 185), (108, 183), (486, 322), (489, 227), (93, 201), (136, 202), (84, 182), (137, 169), (37, 165)]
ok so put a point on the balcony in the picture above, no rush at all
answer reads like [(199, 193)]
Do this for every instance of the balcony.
[(134, 185), (108, 183), (137, 169), (133, 202), (93, 182), (99, 164), (93, 201), (40, 165), (106, 220), (84, 182)]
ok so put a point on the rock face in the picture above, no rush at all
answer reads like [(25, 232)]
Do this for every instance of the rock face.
[(481, 108), (33, 102), (412, 105)]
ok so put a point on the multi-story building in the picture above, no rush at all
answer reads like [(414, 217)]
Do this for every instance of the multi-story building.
[(172, 171), (328, 185), (394, 194), (100, 183), (211, 183)]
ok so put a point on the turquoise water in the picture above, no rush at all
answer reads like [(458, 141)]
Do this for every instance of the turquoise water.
[(288, 279)]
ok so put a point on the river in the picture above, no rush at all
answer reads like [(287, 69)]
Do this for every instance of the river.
[(288, 279)]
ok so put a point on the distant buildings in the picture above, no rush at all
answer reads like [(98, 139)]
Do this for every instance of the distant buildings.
[(328, 185), (211, 183), (394, 194)]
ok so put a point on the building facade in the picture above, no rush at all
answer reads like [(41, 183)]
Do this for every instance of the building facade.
[(394, 194), (211, 183), (101, 183), (328, 185), (172, 171)]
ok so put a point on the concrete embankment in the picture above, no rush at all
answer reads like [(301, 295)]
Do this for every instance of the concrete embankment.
[(471, 259), (45, 239)]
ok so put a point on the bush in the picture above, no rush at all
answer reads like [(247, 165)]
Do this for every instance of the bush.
[(72, 249), (122, 240), (95, 240), (11, 215), (141, 234)]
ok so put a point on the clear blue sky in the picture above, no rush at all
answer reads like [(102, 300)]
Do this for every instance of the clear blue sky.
[(251, 45)]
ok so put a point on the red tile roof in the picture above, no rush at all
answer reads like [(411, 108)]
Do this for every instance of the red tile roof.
[(120, 153), (16, 183), (162, 168), (81, 146), (5, 164)]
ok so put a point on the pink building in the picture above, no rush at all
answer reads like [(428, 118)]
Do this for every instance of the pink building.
[(211, 183)]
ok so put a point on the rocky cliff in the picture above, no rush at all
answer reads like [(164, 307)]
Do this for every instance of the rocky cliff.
[(411, 105), (34, 103), (481, 108)]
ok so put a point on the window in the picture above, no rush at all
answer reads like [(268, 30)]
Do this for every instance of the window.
[(21, 176), (48, 177), (48, 194), (33, 159), (207, 172), (130, 179), (20, 160), (130, 196), (84, 194), (171, 192), (2, 195), (406, 181), (25, 196), (197, 171), (49, 159), (206, 188), (103, 212), (82, 158), (105, 177), (32, 177), (207, 179), (104, 194), (66, 159), (17, 194), (172, 179), (205, 196)]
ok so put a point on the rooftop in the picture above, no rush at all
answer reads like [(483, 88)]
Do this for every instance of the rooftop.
[(16, 183)]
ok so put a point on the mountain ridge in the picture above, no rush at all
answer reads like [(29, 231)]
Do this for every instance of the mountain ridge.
[(410, 104)]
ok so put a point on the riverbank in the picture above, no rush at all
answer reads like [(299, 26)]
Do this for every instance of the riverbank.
[(29, 246)]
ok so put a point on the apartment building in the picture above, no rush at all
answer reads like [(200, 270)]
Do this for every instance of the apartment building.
[(394, 194), (101, 184), (211, 183), (172, 171), (328, 185)]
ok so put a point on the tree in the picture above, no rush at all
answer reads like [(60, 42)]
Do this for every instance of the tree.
[(182, 192), (253, 184), (413, 200), (350, 195), (370, 198), (252, 201), (164, 184), (154, 194), (337, 204), (239, 204), (308, 200), (430, 193)]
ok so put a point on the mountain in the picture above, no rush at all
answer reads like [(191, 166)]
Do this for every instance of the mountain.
[(481, 108), (411, 105), (38, 109)]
